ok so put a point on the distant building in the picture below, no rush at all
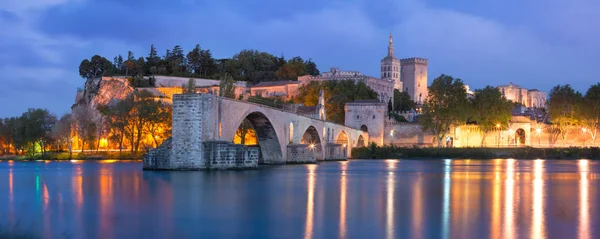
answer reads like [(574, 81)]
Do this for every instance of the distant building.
[(390, 67), (284, 89), (470, 93), (384, 88), (528, 98), (408, 74), (414, 77)]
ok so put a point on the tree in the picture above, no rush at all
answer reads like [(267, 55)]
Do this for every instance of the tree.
[(291, 69), (445, 106), (226, 86), (590, 112), (63, 132), (95, 67), (311, 68), (402, 101), (243, 132), (562, 108), (390, 107), (490, 109), (337, 94), (190, 87), (194, 62), (83, 116)]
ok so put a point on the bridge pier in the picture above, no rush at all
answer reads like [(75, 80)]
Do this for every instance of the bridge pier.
[(300, 154), (336, 152)]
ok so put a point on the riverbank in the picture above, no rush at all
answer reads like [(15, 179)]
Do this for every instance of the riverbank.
[(392, 152), (77, 155)]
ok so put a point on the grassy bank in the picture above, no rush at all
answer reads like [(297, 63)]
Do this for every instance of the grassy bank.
[(77, 155), (392, 152)]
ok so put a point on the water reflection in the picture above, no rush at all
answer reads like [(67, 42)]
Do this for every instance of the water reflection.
[(344, 168), (538, 201), (310, 201), (389, 212), (362, 199), (584, 204)]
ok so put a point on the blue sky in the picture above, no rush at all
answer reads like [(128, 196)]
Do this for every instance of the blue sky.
[(537, 44)]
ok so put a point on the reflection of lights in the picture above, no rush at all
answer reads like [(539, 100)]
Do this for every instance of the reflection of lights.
[(496, 200), (310, 201), (391, 164), (538, 201), (343, 201), (389, 219), (509, 199), (446, 201), (584, 203)]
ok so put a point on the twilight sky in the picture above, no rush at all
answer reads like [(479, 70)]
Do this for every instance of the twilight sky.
[(533, 43)]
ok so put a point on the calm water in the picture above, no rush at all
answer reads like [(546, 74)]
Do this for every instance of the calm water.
[(354, 199)]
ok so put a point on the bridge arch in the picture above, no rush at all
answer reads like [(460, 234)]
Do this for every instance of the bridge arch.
[(312, 138), (265, 135)]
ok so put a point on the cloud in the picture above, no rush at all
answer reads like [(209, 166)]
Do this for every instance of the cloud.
[(532, 46)]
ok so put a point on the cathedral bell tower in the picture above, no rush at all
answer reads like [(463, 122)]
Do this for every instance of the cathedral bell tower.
[(390, 67)]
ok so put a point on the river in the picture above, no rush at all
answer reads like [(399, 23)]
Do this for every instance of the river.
[(353, 199)]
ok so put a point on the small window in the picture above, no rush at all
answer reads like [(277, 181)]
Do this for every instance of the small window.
[(358, 116), (373, 116)]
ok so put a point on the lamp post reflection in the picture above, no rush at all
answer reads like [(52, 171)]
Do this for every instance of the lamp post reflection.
[(538, 201), (389, 219), (446, 202), (509, 200), (310, 202), (584, 204), (344, 166)]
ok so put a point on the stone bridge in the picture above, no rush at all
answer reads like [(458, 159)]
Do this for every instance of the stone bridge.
[(204, 126)]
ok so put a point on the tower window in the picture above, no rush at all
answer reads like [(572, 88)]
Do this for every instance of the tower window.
[(373, 116)]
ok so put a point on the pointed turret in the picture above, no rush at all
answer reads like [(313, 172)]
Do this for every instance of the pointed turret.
[(391, 47)]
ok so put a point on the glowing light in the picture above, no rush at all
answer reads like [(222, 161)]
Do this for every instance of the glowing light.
[(584, 203), (103, 143), (497, 125), (344, 145), (311, 146), (310, 202), (392, 133), (584, 130), (538, 130), (538, 201)]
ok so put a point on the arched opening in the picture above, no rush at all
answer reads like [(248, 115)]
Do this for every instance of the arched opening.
[(312, 139), (256, 129), (364, 128), (520, 136), (342, 138), (361, 141)]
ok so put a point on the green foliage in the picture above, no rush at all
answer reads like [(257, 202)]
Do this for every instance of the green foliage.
[(563, 106), (337, 94), (190, 87), (397, 117), (446, 106), (490, 109), (97, 66), (275, 102), (402, 101), (226, 86), (30, 133), (247, 65), (590, 111)]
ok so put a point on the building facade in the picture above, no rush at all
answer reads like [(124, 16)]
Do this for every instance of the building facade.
[(384, 88), (284, 89), (414, 77), (390, 67), (528, 98)]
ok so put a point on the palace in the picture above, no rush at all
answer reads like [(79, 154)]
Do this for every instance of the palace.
[(528, 98), (408, 74)]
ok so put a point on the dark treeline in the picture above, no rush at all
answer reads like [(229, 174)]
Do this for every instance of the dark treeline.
[(247, 65)]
